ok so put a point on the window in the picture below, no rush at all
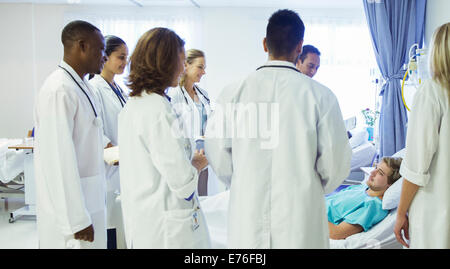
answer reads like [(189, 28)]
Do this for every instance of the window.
[(131, 25), (348, 66)]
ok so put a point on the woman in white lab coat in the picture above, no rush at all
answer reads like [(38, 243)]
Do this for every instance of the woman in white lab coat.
[(111, 100), (424, 210), (193, 106), (158, 181)]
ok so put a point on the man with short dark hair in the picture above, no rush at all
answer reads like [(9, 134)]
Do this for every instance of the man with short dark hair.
[(309, 61), (70, 180), (277, 186)]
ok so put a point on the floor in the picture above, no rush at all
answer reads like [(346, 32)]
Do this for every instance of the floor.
[(22, 234)]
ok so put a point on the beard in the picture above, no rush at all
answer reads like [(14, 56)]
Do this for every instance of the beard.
[(372, 187)]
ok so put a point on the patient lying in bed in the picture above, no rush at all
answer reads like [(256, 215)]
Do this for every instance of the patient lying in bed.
[(358, 208)]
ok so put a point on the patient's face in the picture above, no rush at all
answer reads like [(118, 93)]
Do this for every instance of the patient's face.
[(378, 179)]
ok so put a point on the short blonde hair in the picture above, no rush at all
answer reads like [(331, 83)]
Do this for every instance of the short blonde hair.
[(440, 57), (191, 55)]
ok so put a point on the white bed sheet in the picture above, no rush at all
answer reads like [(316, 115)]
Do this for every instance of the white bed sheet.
[(381, 235), (11, 161)]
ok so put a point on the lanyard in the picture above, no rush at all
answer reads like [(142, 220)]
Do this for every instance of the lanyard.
[(279, 66), (117, 92), (92, 105)]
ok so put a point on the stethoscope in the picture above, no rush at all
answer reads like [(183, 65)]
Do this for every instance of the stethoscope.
[(187, 103), (97, 121), (117, 92), (279, 66), (195, 88)]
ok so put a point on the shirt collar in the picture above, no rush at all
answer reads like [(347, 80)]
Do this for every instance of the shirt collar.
[(278, 62), (72, 72)]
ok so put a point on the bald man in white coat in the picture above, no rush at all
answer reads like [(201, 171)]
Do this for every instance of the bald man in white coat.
[(278, 181), (70, 180)]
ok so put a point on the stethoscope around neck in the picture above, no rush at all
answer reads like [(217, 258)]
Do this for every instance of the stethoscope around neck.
[(117, 90), (279, 66), (97, 121), (198, 90)]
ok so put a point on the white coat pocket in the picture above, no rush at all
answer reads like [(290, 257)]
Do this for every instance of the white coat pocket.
[(185, 228), (94, 193)]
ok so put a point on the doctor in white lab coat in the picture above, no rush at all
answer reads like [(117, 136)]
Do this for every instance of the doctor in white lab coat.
[(193, 107), (158, 181), (112, 99), (423, 213), (70, 180), (295, 149)]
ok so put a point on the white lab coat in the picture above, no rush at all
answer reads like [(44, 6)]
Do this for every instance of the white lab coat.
[(426, 164), (155, 178), (277, 190), (70, 180), (186, 110), (110, 106)]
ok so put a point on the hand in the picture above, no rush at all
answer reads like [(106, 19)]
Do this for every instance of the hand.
[(86, 235), (402, 224), (199, 160)]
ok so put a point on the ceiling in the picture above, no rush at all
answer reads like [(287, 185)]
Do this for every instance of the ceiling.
[(207, 3)]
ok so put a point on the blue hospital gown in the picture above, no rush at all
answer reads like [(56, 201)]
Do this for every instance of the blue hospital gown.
[(353, 205)]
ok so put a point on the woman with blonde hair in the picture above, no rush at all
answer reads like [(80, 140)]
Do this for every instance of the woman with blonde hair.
[(157, 179), (424, 211), (192, 106)]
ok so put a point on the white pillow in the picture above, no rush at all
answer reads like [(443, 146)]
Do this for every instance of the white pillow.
[(391, 197), (359, 136)]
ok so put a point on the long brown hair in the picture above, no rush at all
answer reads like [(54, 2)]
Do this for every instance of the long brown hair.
[(154, 61)]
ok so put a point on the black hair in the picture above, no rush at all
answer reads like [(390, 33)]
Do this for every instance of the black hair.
[(76, 30), (284, 31), (308, 49), (112, 43)]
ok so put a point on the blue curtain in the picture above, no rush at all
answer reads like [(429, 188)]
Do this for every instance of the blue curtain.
[(395, 25)]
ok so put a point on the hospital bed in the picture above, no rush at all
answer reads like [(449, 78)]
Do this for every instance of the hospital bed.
[(363, 151), (363, 154), (380, 236), (17, 174), (11, 161)]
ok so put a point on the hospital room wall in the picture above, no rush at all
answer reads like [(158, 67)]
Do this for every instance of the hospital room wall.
[(30, 50), (437, 14), (16, 70), (233, 46), (231, 37)]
